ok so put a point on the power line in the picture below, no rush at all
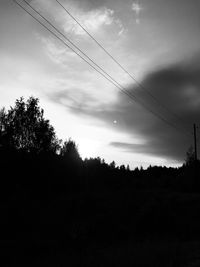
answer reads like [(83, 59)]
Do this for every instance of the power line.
[(66, 38), (119, 64), (110, 79), (62, 40), (113, 80)]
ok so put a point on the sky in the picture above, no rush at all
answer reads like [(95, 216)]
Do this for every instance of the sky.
[(156, 42)]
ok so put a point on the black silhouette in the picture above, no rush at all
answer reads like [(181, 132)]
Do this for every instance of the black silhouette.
[(60, 210), (24, 127), (69, 150)]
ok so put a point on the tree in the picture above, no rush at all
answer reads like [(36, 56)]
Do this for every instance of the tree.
[(190, 157), (69, 150), (23, 127), (112, 165), (122, 167), (128, 167)]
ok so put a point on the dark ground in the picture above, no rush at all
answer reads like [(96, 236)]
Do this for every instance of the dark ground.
[(58, 212)]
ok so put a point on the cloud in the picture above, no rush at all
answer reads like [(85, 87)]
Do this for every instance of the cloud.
[(122, 29), (137, 21), (136, 7), (56, 51), (177, 88), (90, 4), (95, 19), (74, 98), (92, 20)]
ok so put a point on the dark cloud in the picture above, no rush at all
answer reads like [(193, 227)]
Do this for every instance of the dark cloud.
[(75, 99), (177, 88)]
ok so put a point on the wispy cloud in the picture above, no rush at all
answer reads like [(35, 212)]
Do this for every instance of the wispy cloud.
[(92, 20), (136, 7), (122, 29), (95, 19), (57, 53), (89, 4)]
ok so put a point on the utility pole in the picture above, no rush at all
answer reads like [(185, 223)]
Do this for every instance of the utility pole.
[(195, 142)]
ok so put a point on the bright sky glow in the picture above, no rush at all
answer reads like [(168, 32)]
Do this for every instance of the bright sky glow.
[(142, 35)]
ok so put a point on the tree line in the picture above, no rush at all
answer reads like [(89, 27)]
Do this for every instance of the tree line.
[(24, 130), (53, 202)]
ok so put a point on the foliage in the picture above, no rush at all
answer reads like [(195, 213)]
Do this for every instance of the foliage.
[(23, 127), (113, 165), (60, 204), (70, 150), (190, 156)]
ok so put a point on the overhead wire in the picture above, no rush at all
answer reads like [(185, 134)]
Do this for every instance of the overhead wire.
[(119, 64), (113, 81), (62, 41), (104, 74)]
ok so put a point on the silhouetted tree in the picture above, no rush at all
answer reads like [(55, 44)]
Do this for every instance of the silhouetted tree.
[(190, 157), (113, 165), (128, 167), (69, 150), (122, 167), (23, 127)]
